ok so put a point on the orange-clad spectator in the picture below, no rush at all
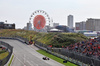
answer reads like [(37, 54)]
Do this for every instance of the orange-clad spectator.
[(85, 50)]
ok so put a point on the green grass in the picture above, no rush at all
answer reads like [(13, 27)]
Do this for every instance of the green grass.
[(54, 39), (55, 58), (0, 49), (11, 60), (3, 55)]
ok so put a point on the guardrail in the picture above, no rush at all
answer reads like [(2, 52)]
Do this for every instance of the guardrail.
[(10, 50), (23, 40), (73, 57)]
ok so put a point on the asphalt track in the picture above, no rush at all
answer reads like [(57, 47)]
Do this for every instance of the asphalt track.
[(26, 55)]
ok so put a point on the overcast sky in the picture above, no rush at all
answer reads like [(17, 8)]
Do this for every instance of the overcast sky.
[(19, 11)]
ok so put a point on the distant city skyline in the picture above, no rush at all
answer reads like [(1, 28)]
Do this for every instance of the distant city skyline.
[(70, 20), (19, 12)]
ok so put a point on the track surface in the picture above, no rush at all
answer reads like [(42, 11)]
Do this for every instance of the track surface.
[(25, 55)]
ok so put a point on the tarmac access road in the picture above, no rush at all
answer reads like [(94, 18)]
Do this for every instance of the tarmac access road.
[(26, 55)]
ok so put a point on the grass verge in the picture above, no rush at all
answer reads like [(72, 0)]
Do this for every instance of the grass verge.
[(11, 60), (3, 55), (55, 58)]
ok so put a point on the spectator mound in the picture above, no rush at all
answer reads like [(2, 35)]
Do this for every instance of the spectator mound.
[(89, 48), (54, 39)]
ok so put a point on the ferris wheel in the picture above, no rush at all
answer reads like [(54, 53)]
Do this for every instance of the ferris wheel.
[(40, 20)]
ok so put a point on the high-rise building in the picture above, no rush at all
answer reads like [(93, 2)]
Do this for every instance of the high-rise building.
[(77, 25), (93, 24), (83, 25), (80, 25), (70, 21)]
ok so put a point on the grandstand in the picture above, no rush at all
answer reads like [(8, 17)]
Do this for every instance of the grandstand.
[(90, 48)]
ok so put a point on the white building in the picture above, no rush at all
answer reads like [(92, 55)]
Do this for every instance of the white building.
[(70, 21), (77, 26), (55, 30), (93, 24), (83, 25), (29, 26), (80, 25), (55, 24), (91, 34)]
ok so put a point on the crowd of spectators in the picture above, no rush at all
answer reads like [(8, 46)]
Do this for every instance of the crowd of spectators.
[(90, 48), (3, 48)]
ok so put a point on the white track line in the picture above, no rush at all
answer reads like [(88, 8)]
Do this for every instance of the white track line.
[(29, 63), (18, 59)]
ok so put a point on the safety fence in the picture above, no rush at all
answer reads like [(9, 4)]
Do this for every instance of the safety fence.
[(9, 49), (77, 58), (23, 40), (63, 53)]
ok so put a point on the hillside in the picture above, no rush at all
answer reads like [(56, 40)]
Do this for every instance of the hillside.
[(61, 39), (55, 39)]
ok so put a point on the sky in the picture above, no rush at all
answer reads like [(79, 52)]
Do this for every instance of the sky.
[(19, 11)]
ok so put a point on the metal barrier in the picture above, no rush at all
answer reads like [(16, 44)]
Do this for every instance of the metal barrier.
[(63, 53), (10, 50), (71, 56), (23, 40)]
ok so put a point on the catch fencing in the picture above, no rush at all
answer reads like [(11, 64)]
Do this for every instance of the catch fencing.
[(74, 57), (9, 49), (23, 40), (77, 58)]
